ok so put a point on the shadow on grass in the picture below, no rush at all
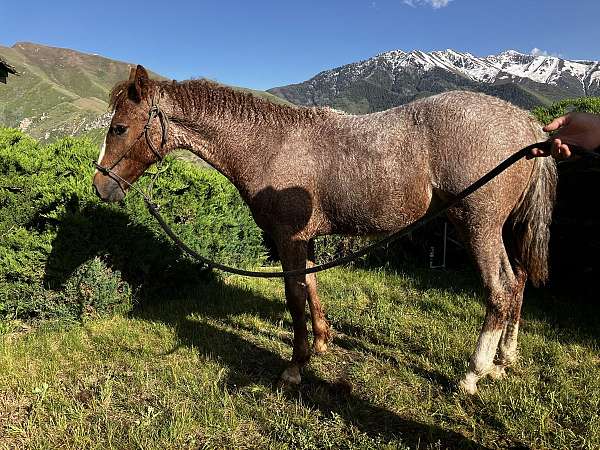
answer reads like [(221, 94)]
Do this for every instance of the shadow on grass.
[(173, 290), (146, 261), (570, 311), (249, 364), (161, 276)]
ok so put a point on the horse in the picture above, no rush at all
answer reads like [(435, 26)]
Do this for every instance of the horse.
[(311, 171)]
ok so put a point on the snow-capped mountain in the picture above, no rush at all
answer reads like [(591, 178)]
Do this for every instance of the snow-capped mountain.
[(538, 68), (396, 77)]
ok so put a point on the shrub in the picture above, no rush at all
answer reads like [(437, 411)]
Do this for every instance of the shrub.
[(584, 104), (64, 253)]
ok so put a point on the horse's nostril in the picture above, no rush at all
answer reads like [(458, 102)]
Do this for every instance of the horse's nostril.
[(108, 190)]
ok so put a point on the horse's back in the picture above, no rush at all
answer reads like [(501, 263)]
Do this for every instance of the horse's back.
[(440, 144), (470, 120)]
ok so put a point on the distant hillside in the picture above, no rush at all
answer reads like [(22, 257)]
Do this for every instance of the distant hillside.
[(397, 77), (61, 92)]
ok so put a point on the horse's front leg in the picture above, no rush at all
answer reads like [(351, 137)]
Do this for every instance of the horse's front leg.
[(320, 326), (293, 256)]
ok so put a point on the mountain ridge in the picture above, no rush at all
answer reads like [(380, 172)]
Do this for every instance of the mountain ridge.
[(396, 77), (62, 91)]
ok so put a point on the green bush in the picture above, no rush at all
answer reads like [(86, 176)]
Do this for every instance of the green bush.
[(583, 104), (63, 253)]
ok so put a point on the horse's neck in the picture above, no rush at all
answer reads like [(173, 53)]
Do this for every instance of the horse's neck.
[(233, 146)]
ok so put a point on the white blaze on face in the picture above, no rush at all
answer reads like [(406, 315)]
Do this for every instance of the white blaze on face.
[(103, 149)]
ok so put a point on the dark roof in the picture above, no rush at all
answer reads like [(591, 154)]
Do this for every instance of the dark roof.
[(5, 69)]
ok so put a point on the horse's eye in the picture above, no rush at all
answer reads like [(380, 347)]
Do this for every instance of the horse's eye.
[(119, 129)]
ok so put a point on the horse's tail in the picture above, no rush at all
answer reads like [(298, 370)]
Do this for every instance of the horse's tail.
[(531, 220)]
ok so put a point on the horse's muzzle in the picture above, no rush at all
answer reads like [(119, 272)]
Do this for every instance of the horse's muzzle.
[(107, 189)]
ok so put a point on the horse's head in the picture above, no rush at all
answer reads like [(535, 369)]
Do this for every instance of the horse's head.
[(135, 139)]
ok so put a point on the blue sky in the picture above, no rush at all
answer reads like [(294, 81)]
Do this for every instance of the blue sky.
[(262, 44)]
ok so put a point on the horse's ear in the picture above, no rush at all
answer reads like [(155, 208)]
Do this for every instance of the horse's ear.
[(140, 72), (139, 78)]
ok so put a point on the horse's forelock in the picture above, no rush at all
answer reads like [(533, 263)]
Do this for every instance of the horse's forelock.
[(118, 94)]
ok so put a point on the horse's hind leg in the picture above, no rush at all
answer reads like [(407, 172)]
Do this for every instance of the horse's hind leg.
[(492, 260), (293, 256), (507, 347), (320, 326)]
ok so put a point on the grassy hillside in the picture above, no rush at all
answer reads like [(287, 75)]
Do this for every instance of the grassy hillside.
[(61, 92)]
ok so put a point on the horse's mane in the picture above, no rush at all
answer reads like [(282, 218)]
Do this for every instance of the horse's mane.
[(195, 96)]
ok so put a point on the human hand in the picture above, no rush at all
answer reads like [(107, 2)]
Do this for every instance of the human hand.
[(574, 129)]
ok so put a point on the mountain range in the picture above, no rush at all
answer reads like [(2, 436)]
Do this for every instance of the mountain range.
[(64, 92), (397, 77)]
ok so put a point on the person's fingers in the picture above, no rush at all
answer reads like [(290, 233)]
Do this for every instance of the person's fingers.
[(560, 150), (555, 150), (537, 152), (557, 123), (565, 151)]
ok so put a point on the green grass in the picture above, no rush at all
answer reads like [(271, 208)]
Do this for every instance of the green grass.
[(195, 366)]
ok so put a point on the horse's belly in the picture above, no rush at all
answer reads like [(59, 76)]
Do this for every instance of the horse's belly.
[(382, 208)]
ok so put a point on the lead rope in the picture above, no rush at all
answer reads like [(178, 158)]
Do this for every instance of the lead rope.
[(153, 209)]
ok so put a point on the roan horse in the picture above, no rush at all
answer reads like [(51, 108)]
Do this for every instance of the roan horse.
[(306, 172)]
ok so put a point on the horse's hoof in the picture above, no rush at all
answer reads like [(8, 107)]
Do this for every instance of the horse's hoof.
[(468, 387), (319, 346), (290, 377), (468, 384), (498, 372)]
